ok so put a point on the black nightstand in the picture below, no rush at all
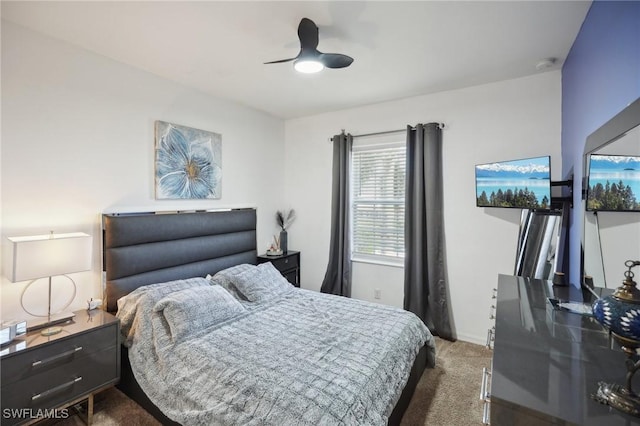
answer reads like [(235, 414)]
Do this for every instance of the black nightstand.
[(288, 264), (41, 374)]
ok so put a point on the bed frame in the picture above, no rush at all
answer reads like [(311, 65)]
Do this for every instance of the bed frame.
[(146, 248)]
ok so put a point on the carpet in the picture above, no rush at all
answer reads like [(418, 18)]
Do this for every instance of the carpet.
[(446, 395), (449, 393)]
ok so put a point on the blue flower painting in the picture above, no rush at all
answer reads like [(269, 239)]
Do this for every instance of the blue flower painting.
[(188, 162)]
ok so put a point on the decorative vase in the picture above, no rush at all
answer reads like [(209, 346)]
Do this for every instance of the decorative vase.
[(620, 313), (283, 241)]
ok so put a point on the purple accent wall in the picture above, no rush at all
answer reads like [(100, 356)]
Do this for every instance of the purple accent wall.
[(600, 77)]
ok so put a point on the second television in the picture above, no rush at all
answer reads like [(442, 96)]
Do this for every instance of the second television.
[(522, 184), (614, 183)]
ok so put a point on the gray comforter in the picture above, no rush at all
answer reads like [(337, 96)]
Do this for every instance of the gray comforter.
[(301, 358)]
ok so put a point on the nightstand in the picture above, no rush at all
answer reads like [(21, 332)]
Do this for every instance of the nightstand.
[(42, 375), (288, 264)]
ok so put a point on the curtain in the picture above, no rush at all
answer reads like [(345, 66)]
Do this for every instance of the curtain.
[(425, 288), (337, 279)]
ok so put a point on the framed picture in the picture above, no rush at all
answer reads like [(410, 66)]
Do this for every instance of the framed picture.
[(188, 162)]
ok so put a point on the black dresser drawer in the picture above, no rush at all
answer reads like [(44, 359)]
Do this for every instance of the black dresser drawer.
[(292, 277), (285, 263), (43, 373), (288, 264), (49, 356), (62, 384)]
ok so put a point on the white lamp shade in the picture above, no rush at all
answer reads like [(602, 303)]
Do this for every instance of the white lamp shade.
[(49, 255)]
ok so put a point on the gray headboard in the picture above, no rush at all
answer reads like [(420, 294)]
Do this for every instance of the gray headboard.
[(147, 248)]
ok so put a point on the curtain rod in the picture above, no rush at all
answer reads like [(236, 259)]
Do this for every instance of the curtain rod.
[(387, 132)]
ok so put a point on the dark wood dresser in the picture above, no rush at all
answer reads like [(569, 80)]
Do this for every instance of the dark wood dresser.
[(42, 375), (288, 264)]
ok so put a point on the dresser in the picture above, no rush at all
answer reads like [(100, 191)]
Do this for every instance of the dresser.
[(42, 375), (546, 362), (288, 264), (485, 390)]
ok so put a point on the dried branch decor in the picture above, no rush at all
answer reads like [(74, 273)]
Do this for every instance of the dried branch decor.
[(284, 219)]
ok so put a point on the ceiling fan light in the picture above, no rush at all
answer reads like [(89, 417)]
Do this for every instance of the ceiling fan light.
[(308, 66)]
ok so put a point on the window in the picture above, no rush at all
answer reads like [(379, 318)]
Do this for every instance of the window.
[(377, 210)]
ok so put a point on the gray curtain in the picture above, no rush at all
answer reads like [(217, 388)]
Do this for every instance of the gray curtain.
[(425, 289), (337, 279)]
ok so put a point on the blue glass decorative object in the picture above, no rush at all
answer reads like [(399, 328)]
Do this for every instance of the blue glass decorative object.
[(620, 313)]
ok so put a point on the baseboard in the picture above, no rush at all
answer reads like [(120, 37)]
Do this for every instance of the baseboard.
[(478, 340)]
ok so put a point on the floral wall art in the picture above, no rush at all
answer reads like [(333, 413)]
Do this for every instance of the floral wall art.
[(188, 162)]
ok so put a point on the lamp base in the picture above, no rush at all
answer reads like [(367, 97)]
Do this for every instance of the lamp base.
[(55, 319), (618, 397), (50, 331)]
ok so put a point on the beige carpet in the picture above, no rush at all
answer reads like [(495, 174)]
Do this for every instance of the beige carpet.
[(449, 393), (446, 395)]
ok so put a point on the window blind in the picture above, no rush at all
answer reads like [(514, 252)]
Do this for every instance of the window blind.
[(378, 198)]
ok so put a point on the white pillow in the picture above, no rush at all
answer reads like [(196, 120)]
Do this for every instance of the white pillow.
[(194, 309)]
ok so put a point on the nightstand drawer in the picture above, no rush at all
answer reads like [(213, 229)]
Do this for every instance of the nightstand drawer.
[(63, 383), (292, 277), (288, 265), (41, 360), (285, 263)]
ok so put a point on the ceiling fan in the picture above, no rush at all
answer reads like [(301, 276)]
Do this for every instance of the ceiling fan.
[(310, 59)]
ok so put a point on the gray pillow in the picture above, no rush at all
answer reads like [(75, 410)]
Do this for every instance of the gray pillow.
[(262, 283), (193, 309), (149, 295), (225, 277)]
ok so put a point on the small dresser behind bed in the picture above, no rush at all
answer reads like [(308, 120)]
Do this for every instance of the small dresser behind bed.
[(147, 248)]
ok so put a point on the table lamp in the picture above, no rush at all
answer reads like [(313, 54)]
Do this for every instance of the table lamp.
[(40, 256)]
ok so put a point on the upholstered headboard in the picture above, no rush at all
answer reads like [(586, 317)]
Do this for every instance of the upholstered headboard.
[(147, 248)]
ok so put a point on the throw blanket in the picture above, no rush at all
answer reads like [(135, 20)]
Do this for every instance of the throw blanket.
[(302, 358)]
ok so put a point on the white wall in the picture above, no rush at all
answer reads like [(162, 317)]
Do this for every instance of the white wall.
[(500, 121), (78, 140)]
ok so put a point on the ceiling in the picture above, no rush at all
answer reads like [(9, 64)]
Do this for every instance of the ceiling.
[(401, 49)]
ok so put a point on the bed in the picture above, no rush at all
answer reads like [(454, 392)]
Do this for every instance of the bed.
[(275, 355)]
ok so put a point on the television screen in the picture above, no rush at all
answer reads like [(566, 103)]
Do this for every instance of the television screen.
[(522, 184), (614, 183)]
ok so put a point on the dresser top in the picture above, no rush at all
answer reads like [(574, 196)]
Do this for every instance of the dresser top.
[(548, 362), (83, 321)]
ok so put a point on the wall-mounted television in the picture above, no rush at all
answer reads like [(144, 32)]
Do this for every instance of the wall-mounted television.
[(614, 183), (522, 184)]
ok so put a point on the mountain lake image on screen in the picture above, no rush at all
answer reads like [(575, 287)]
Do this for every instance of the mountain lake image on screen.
[(614, 183), (522, 184)]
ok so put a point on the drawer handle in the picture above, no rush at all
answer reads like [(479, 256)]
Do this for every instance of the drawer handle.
[(492, 310), (491, 336), (56, 357), (485, 413), (56, 389), (286, 261), (484, 387)]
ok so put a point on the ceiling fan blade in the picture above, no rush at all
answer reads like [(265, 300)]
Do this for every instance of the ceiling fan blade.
[(281, 61), (335, 60), (308, 34)]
